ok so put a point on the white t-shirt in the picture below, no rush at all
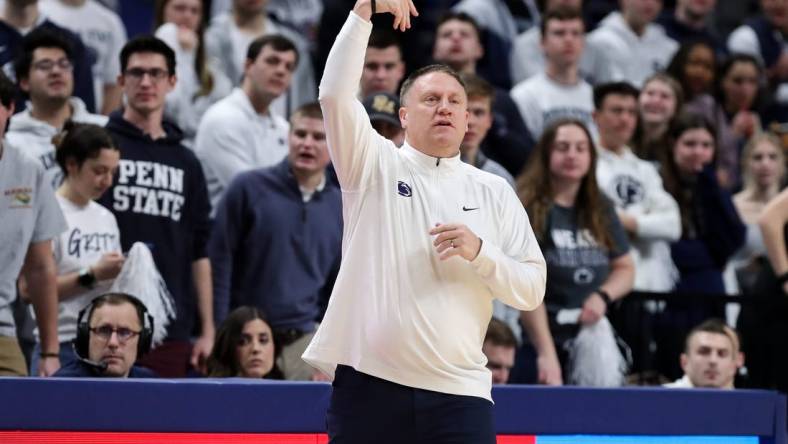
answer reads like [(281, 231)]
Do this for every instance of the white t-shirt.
[(397, 311), (542, 101), (527, 59), (92, 232), (101, 31), (28, 214)]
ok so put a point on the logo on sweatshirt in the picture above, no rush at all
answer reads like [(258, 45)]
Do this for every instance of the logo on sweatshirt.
[(404, 189), (629, 190)]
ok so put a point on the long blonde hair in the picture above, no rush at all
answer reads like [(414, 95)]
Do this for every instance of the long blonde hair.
[(757, 139)]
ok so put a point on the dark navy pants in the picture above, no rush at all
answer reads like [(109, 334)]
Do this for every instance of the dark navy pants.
[(366, 410)]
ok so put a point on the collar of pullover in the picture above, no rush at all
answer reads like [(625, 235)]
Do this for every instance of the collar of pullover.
[(429, 163)]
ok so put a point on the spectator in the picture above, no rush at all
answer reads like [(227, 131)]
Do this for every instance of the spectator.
[(88, 254), (761, 37), (711, 231), (103, 33), (113, 332), (527, 58), (695, 66), (764, 324), (304, 15), (201, 81), (30, 218), (159, 198), (241, 131), (20, 17), (383, 65), (229, 36), (637, 46), (245, 347), (480, 103), (458, 44), (691, 21), (763, 171), (647, 212), (500, 28), (383, 110), (660, 100), (734, 112), (499, 346), (277, 240), (711, 357), (44, 70), (584, 244), (558, 92)]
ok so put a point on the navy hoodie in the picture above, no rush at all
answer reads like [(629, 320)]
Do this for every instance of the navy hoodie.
[(159, 198)]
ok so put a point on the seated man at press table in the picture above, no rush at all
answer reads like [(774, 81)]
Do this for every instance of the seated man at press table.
[(113, 331), (711, 357)]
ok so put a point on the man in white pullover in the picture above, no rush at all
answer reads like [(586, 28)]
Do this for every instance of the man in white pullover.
[(242, 131), (429, 242)]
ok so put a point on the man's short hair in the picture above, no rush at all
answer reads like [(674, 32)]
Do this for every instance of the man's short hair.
[(716, 326), (423, 71), (382, 38), (477, 88), (309, 110), (147, 43), (560, 14), (7, 90), (277, 41), (619, 88), (461, 17), (39, 38), (117, 299), (498, 333)]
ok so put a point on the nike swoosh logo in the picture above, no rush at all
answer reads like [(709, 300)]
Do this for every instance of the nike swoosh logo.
[(464, 208)]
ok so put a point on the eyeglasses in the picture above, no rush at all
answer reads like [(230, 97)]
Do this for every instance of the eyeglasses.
[(105, 332), (137, 74), (47, 65)]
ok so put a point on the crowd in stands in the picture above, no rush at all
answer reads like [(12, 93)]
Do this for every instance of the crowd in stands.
[(646, 141)]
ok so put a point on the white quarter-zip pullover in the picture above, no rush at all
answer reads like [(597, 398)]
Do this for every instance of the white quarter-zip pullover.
[(397, 311)]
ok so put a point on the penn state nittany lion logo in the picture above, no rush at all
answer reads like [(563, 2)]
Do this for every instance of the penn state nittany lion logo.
[(583, 276), (628, 189)]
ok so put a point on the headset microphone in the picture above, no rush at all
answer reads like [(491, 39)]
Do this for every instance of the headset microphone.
[(99, 366)]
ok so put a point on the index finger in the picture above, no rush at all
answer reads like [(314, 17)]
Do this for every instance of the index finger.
[(443, 227)]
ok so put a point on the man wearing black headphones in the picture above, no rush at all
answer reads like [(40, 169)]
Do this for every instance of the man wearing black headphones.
[(112, 333)]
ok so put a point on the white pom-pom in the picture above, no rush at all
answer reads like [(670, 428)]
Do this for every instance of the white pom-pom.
[(594, 357), (140, 278)]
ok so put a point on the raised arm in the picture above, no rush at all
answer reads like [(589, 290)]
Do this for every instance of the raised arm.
[(348, 131)]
